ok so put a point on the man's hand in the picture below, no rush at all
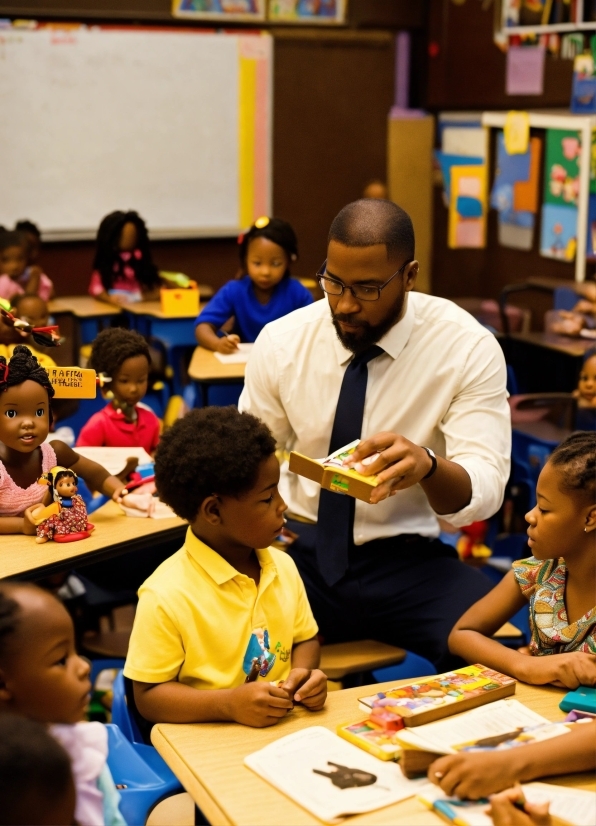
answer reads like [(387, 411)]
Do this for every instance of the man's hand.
[(259, 704), (473, 774), (306, 686), (394, 460), (228, 344)]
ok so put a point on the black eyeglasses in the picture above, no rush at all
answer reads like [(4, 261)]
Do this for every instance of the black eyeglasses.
[(361, 292)]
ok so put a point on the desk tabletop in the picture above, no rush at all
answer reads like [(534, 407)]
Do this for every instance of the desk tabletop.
[(114, 533), (551, 341), (208, 760), (153, 309), (83, 306), (205, 367)]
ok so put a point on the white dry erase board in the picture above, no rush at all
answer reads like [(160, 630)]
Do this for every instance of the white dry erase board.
[(175, 124)]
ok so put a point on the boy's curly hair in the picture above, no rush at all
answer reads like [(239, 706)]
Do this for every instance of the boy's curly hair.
[(210, 450), (113, 347), (575, 458)]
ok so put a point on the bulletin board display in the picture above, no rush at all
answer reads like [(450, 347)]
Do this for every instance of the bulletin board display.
[(175, 124)]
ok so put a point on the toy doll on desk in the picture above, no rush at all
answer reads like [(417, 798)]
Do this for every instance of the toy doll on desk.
[(65, 519)]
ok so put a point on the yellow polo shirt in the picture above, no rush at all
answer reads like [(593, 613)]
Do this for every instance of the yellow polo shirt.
[(200, 621)]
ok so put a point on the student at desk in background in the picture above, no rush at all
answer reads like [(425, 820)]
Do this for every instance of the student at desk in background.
[(16, 275), (122, 356), (29, 308), (265, 293), (223, 629), (123, 269)]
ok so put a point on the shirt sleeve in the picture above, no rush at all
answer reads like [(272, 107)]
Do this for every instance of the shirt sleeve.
[(156, 434), (477, 431), (155, 652), (529, 573), (221, 307), (92, 434), (261, 393), (96, 286)]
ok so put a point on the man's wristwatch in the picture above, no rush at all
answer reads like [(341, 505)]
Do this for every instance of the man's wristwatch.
[(433, 459)]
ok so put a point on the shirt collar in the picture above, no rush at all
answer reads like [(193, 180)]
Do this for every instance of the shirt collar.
[(219, 569), (393, 342)]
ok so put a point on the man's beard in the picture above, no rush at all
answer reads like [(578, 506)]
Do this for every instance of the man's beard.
[(370, 334)]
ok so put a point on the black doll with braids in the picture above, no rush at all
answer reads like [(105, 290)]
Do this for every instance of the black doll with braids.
[(110, 252), (25, 419)]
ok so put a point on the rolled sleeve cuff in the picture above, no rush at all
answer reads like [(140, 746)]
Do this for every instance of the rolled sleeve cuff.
[(488, 489)]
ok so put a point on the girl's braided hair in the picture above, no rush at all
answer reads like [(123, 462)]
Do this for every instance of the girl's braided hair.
[(575, 458), (23, 366)]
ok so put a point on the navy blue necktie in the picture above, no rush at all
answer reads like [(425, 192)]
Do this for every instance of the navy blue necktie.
[(335, 522)]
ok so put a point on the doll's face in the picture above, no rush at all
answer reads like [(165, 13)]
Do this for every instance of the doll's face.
[(66, 486), (130, 382), (266, 263), (128, 237), (24, 416), (587, 380), (13, 261)]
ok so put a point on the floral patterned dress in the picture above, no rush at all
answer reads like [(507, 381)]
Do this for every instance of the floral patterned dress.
[(542, 582), (71, 519)]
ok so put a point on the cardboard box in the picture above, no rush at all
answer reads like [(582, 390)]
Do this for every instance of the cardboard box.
[(179, 302), (331, 478), (72, 382)]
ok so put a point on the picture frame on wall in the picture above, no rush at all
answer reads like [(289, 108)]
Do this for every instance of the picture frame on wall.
[(323, 12), (221, 10)]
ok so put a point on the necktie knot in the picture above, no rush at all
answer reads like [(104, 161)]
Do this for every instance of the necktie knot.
[(367, 355)]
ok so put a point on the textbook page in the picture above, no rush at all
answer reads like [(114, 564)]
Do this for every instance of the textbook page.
[(240, 356), (574, 806), (494, 719), (330, 777)]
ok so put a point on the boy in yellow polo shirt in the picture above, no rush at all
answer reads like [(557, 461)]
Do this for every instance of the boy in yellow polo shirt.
[(223, 629)]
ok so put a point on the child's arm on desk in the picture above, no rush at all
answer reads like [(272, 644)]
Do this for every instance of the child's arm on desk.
[(306, 683), (471, 639), (257, 704), (96, 476), (478, 774)]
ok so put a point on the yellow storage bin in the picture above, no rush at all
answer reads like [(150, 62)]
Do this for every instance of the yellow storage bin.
[(178, 302)]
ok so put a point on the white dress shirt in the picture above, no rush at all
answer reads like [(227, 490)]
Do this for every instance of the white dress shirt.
[(440, 383)]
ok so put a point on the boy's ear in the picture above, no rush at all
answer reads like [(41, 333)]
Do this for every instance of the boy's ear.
[(209, 510), (591, 520), (5, 694)]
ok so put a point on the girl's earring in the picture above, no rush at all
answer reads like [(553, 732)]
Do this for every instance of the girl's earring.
[(108, 394)]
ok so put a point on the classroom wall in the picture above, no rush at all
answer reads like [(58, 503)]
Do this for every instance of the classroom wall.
[(467, 72), (332, 93)]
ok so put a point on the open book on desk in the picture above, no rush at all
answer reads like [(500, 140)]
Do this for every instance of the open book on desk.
[(328, 776), (569, 806)]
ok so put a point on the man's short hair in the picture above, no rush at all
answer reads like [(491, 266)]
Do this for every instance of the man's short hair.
[(367, 222), (211, 450)]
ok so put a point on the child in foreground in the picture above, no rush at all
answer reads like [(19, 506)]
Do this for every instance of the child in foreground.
[(265, 293), (36, 784), (223, 629), (123, 356), (123, 269), (559, 581), (43, 678), (16, 276)]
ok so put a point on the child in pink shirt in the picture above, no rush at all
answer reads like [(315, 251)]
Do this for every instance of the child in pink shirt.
[(122, 356), (16, 276)]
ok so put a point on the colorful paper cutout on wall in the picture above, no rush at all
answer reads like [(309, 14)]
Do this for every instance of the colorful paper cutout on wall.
[(223, 10), (525, 70), (525, 192), (467, 207), (591, 241), (447, 162), (515, 193), (583, 90), (558, 237), (563, 150)]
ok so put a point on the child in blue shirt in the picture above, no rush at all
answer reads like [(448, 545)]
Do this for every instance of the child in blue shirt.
[(265, 293)]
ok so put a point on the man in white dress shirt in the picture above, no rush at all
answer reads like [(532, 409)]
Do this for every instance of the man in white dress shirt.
[(423, 384)]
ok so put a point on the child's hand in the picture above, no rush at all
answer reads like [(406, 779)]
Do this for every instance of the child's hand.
[(563, 670), (136, 504), (473, 775), (259, 704), (503, 811), (308, 687), (228, 344), (29, 527)]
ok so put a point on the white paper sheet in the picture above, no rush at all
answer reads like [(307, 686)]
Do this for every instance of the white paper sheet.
[(240, 356), (289, 763), (114, 458)]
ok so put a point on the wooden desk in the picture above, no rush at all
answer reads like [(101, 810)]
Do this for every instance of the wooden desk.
[(545, 362), (205, 370), (208, 760), (114, 534), (83, 306)]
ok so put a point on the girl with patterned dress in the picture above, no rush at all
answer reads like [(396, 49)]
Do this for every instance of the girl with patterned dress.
[(558, 581)]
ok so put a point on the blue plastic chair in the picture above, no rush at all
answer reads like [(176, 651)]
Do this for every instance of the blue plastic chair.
[(121, 715), (140, 771), (411, 667), (565, 298)]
